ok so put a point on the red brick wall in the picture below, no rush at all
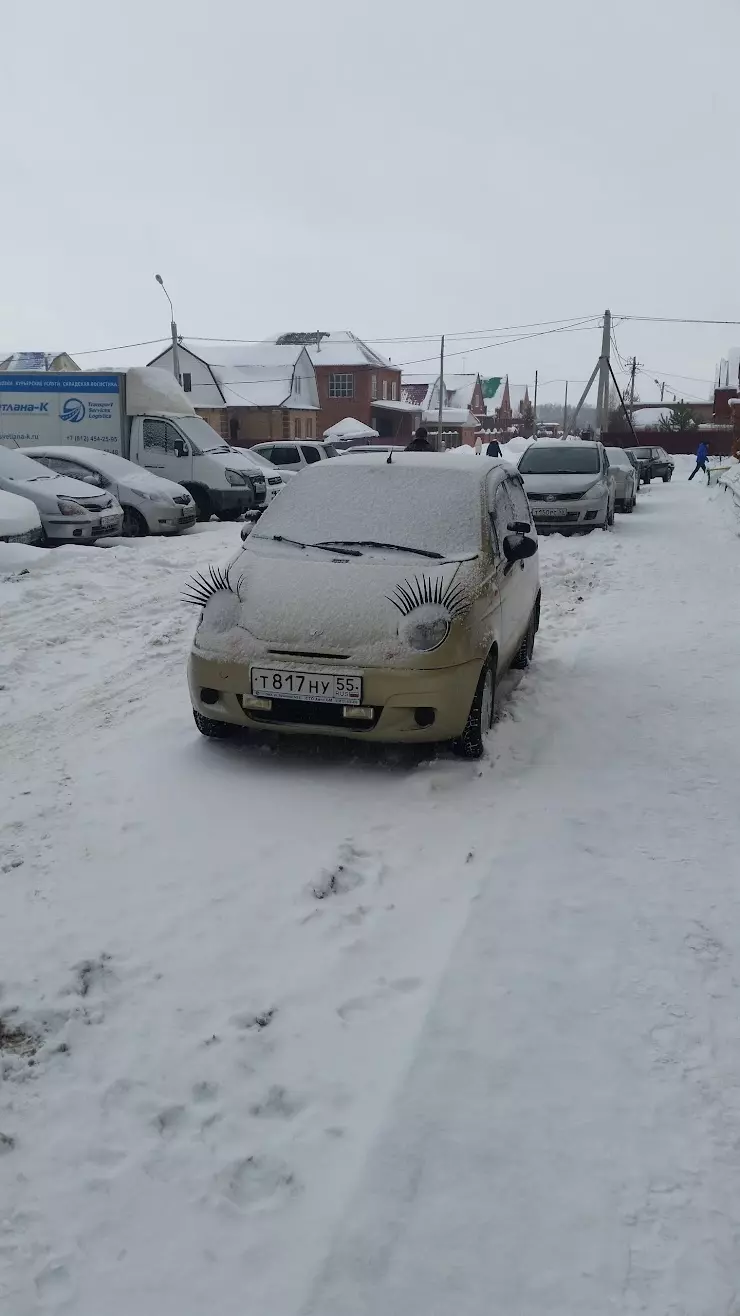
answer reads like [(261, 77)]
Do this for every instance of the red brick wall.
[(719, 440), (359, 406)]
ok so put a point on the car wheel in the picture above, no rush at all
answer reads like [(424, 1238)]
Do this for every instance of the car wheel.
[(523, 655), (134, 524), (666, 479), (629, 507), (214, 730), (203, 504), (480, 718)]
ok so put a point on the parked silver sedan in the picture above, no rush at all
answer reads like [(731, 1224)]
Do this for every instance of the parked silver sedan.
[(626, 479)]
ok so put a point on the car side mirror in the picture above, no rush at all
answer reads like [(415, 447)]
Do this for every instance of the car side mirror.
[(179, 448), (519, 527), (518, 547), (92, 477)]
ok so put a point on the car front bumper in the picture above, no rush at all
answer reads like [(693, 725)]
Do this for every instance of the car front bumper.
[(394, 695), (169, 520), (570, 514), (239, 499), (80, 532)]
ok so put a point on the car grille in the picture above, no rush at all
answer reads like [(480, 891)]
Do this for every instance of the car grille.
[(309, 653), (275, 479), (183, 499), (550, 497), (314, 715), (93, 505), (564, 516)]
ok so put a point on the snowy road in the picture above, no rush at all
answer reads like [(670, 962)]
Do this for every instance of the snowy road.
[(331, 1035)]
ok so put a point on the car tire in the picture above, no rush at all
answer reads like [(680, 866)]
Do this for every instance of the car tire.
[(666, 479), (134, 524), (523, 655), (203, 504), (629, 507), (480, 718), (212, 729)]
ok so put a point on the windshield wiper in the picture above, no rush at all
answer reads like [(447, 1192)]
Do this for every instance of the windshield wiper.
[(331, 546), (376, 543)]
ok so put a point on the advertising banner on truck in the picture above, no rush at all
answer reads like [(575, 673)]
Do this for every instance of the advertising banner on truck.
[(47, 408)]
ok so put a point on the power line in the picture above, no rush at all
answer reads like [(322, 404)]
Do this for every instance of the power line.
[(673, 319), (95, 351)]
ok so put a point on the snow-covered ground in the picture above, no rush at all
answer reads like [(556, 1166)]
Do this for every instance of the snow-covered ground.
[(323, 1032)]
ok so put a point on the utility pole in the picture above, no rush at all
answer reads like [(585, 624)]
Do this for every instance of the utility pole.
[(534, 407), (633, 372), (565, 412), (441, 392), (602, 419), (173, 330)]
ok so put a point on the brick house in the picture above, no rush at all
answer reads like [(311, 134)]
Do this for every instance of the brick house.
[(354, 380), (249, 394)]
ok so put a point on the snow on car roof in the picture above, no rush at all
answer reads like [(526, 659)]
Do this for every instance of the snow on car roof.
[(453, 459)]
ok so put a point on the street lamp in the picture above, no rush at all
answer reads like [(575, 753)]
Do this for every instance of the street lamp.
[(173, 328)]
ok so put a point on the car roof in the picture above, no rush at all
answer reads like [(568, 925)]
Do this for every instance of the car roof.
[(70, 453)]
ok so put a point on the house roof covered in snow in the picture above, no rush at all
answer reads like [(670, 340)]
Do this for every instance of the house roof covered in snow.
[(423, 389), (249, 374), (338, 348), (33, 361)]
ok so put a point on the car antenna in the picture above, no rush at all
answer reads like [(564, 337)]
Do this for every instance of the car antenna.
[(389, 458)]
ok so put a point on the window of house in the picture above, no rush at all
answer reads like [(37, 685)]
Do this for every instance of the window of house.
[(233, 428), (286, 425), (296, 427), (374, 387), (309, 427), (385, 390), (341, 386), (187, 382), (393, 391)]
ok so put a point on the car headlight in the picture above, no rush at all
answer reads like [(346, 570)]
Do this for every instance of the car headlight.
[(426, 627), (68, 508), (235, 477)]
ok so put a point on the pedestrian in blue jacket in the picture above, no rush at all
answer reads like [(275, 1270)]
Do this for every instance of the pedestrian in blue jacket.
[(702, 454)]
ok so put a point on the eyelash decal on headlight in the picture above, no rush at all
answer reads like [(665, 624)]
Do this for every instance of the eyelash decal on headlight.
[(415, 593), (199, 589)]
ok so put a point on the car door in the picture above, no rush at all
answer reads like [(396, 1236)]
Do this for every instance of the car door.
[(506, 574), (165, 451), (527, 573)]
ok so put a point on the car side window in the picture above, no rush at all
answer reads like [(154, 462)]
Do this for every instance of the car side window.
[(310, 454), (500, 512), (518, 500), (160, 435), (285, 454), (265, 452)]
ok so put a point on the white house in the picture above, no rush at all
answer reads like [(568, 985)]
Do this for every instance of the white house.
[(251, 392)]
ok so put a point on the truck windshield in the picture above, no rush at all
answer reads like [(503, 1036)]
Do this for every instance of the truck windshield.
[(201, 436)]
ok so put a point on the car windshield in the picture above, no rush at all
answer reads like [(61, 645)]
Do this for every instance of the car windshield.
[(436, 511), (117, 468), (15, 465), (642, 454), (560, 459), (201, 435)]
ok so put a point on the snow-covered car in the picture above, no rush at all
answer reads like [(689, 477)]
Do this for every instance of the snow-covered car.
[(362, 450), (291, 457), (70, 511), (273, 481), (568, 484), (20, 522), (373, 601), (626, 478), (151, 504)]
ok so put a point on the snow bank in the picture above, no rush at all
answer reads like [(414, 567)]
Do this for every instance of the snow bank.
[(15, 556), (730, 480)]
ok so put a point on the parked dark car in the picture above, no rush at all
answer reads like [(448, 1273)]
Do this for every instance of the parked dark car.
[(654, 463)]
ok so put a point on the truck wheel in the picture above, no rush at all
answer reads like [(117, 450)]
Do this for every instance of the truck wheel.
[(214, 730), (134, 524), (480, 718), (203, 504)]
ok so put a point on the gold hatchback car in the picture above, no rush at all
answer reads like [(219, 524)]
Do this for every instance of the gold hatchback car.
[(377, 599)]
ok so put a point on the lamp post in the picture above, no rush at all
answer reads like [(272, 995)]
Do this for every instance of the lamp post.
[(173, 328)]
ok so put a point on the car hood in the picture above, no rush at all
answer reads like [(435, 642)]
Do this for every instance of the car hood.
[(44, 492), (321, 604), (556, 484)]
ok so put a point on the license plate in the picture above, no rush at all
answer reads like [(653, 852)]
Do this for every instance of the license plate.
[(313, 687), (107, 521), (546, 511)]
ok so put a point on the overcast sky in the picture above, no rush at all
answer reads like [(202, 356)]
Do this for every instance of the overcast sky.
[(403, 167)]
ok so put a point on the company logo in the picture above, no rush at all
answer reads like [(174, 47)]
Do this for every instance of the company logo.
[(551, 498), (73, 411)]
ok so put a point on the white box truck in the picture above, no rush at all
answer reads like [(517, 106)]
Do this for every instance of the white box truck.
[(141, 414)]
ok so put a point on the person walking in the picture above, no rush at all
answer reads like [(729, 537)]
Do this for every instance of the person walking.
[(702, 454), (420, 442), (493, 449)]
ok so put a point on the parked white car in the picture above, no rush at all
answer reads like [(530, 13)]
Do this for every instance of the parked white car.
[(151, 504), (291, 457), (273, 481), (71, 512), (569, 485), (20, 522)]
